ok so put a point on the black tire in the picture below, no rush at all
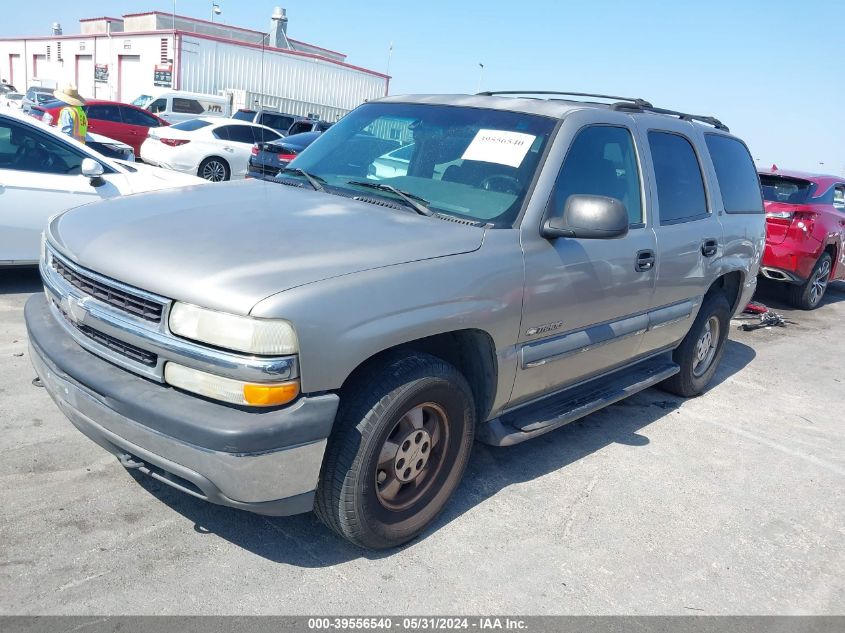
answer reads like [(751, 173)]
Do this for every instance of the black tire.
[(809, 295), (695, 374), (214, 169), (372, 411)]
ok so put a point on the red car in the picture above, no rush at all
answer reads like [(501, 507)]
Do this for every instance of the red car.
[(805, 232), (119, 121)]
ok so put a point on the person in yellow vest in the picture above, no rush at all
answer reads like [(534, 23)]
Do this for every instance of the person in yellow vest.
[(72, 119)]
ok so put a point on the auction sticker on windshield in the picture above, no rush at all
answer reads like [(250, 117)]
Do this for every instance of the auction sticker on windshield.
[(499, 146)]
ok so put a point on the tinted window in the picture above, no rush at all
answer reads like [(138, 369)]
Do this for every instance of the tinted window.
[(601, 162), (244, 115), (680, 187), (193, 124), (23, 148), (736, 175), (187, 106), (138, 117), (276, 121), (159, 105), (783, 189), (299, 127), (104, 113), (261, 135), (235, 133)]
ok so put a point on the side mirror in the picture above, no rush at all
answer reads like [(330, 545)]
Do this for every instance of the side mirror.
[(93, 170), (589, 217)]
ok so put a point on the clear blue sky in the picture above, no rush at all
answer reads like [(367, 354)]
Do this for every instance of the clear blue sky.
[(771, 70)]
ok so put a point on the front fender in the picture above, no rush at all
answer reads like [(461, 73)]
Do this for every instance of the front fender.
[(344, 321)]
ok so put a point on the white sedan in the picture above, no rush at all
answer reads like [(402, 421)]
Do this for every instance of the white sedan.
[(211, 148), (44, 172)]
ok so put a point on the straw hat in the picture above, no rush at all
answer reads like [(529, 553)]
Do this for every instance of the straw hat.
[(70, 95)]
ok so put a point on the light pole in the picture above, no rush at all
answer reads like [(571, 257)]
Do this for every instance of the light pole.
[(480, 75), (215, 10)]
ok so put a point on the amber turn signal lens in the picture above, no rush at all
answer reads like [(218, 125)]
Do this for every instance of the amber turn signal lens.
[(271, 395)]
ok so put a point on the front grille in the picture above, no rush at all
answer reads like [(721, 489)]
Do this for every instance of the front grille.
[(126, 301), (130, 351)]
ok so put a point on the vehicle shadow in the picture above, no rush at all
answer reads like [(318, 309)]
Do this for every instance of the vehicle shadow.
[(773, 294), (19, 280), (304, 542)]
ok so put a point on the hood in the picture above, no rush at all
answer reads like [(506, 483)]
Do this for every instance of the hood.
[(142, 178), (227, 246)]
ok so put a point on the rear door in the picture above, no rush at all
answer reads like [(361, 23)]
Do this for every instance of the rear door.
[(689, 236), (105, 119), (39, 177), (137, 124)]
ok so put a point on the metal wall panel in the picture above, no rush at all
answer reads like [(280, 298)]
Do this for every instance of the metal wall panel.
[(292, 83)]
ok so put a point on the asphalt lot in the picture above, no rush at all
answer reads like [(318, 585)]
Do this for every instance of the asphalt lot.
[(730, 503)]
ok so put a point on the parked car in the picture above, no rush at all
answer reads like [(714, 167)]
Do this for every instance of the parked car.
[(215, 149), (11, 100), (304, 124), (176, 106), (125, 123), (43, 172), (805, 233), (109, 147), (36, 95), (338, 343), (268, 159), (6, 87), (278, 121)]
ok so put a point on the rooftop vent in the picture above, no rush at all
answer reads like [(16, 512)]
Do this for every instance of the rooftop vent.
[(57, 28), (279, 28)]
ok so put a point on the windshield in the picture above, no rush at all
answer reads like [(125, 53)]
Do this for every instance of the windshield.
[(782, 189), (143, 101), (470, 162)]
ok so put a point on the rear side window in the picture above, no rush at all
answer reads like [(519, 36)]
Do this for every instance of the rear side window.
[(736, 174), (244, 115), (680, 186), (601, 162), (276, 121)]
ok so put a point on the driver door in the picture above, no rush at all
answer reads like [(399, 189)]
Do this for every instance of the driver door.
[(39, 177)]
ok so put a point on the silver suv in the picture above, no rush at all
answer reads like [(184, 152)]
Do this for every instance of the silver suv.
[(336, 340)]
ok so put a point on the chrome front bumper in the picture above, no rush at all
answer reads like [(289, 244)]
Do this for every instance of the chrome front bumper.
[(266, 462)]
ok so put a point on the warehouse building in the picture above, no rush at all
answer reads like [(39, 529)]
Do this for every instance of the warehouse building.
[(144, 53)]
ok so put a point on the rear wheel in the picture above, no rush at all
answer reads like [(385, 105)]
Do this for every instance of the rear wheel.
[(214, 169), (399, 448), (808, 296), (699, 353)]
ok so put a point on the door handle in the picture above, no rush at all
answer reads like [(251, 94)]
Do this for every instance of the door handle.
[(645, 261), (709, 247)]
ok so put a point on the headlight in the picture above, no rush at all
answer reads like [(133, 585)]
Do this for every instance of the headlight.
[(229, 331), (228, 390)]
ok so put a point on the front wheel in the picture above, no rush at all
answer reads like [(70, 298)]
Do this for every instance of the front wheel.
[(808, 296), (214, 169), (699, 353), (399, 448)]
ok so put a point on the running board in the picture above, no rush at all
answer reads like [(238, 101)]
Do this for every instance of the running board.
[(552, 412)]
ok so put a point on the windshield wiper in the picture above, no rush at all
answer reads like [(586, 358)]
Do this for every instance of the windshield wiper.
[(418, 204), (314, 181)]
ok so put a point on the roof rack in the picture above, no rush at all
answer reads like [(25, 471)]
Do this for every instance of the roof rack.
[(629, 101), (625, 104)]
